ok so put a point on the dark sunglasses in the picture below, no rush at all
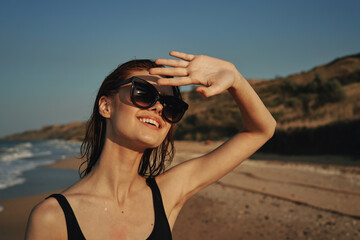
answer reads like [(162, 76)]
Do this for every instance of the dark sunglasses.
[(144, 95)]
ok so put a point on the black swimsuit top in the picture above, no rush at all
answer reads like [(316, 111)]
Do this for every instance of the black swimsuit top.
[(161, 228)]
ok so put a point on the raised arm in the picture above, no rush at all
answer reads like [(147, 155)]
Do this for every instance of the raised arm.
[(215, 76)]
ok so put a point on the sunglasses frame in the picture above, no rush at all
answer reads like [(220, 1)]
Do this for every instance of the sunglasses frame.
[(158, 97)]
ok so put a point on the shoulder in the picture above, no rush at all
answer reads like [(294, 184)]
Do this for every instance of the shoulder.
[(46, 220)]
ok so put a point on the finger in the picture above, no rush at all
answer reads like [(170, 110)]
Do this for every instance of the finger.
[(185, 56), (180, 81), (176, 72), (172, 63)]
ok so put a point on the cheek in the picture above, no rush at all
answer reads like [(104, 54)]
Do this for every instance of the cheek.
[(122, 116), (124, 96), (122, 106)]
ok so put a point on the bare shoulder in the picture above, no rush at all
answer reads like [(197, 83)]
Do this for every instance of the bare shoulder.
[(46, 221)]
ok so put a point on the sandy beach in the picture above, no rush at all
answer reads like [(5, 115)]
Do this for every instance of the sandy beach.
[(266, 197)]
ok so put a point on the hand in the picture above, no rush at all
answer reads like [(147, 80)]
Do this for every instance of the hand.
[(213, 74)]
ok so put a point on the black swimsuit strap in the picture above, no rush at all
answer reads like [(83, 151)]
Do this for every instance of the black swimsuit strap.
[(73, 228), (162, 228)]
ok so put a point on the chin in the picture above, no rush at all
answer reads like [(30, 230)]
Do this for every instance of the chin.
[(151, 143)]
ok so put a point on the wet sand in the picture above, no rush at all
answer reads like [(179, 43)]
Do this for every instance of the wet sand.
[(307, 198)]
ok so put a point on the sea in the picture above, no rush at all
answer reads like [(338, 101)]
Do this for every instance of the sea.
[(21, 163)]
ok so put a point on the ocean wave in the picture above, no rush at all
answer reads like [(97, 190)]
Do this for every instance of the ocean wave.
[(11, 174), (18, 157), (11, 182), (24, 145), (22, 151)]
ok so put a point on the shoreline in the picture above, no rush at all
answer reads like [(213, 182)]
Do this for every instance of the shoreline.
[(227, 204), (40, 180)]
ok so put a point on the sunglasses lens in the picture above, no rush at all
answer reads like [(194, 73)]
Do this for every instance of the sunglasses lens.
[(143, 95), (174, 108)]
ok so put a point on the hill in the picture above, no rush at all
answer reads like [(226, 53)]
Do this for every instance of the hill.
[(72, 131), (321, 96), (304, 104)]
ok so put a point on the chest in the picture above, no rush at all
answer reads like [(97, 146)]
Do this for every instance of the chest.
[(119, 226), (132, 220)]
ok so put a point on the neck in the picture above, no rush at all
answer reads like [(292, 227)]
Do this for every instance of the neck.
[(116, 172)]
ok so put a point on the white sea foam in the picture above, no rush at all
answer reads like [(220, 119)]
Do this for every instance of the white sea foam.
[(8, 157), (25, 145), (18, 157), (16, 151), (11, 174), (11, 182)]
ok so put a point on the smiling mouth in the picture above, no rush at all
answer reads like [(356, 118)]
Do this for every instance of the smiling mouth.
[(150, 121)]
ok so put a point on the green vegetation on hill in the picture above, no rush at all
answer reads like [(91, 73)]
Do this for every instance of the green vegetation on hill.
[(313, 95)]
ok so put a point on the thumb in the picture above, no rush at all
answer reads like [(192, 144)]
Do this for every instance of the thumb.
[(207, 91)]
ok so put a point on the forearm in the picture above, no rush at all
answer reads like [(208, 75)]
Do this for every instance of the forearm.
[(256, 117)]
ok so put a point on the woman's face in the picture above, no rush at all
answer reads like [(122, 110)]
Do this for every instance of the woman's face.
[(134, 127)]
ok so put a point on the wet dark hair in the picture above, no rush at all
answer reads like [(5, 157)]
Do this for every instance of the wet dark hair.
[(153, 160)]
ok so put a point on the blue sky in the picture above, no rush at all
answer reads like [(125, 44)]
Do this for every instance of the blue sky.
[(55, 54)]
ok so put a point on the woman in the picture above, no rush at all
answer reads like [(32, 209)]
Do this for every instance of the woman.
[(124, 194)]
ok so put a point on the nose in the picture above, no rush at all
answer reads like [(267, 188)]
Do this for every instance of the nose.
[(158, 107)]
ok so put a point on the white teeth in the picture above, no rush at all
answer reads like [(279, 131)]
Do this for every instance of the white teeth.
[(151, 121)]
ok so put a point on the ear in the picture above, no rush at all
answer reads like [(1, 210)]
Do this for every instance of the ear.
[(105, 107)]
